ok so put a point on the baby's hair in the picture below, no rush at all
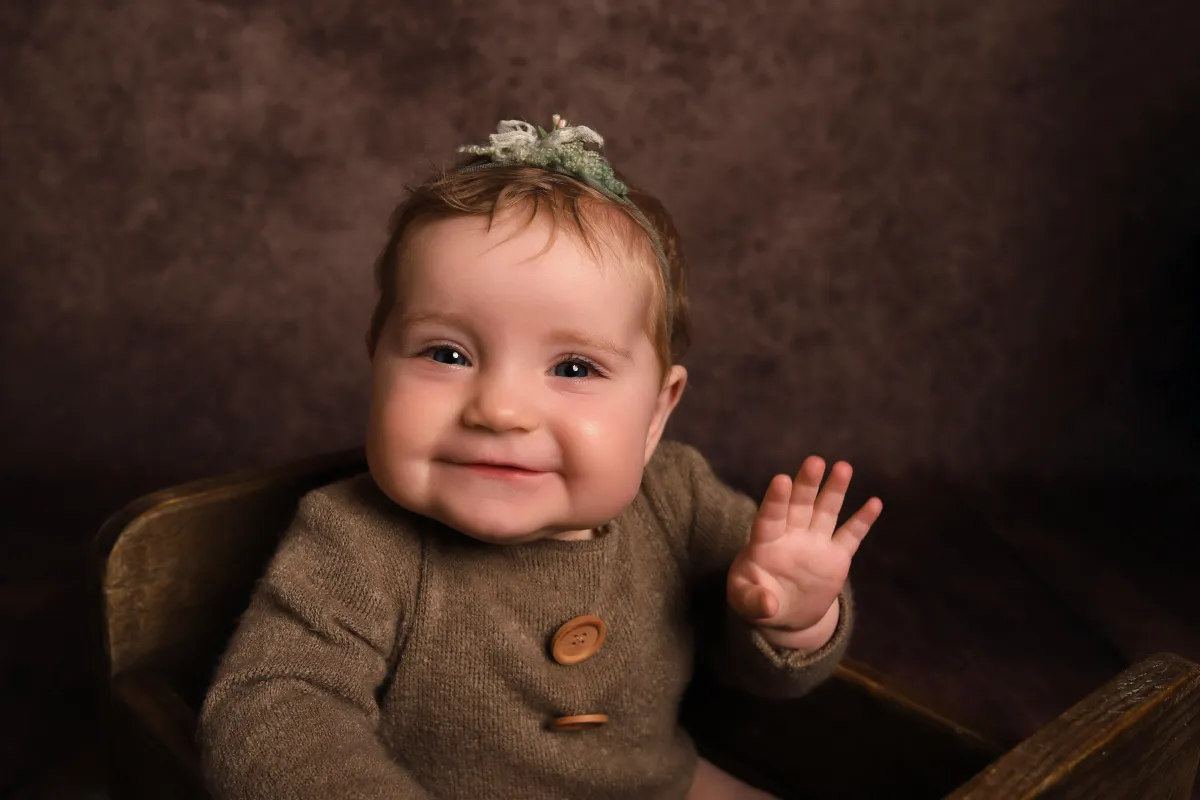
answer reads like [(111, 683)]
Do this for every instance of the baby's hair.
[(595, 218)]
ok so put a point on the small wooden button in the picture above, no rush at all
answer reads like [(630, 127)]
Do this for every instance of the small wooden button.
[(579, 722), (578, 640)]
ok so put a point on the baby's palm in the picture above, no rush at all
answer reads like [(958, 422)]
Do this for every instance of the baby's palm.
[(797, 559)]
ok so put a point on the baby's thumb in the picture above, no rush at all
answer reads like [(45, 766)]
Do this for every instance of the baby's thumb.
[(752, 602)]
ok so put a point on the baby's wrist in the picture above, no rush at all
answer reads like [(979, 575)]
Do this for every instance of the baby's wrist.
[(804, 640)]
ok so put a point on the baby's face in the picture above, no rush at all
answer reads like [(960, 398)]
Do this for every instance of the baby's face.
[(515, 391)]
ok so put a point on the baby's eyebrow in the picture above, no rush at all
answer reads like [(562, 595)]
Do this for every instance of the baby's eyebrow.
[(567, 336), (445, 318)]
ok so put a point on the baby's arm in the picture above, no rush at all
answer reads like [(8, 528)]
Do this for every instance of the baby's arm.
[(720, 520), (292, 712)]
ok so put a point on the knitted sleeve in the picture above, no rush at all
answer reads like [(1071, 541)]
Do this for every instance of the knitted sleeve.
[(293, 711), (719, 521)]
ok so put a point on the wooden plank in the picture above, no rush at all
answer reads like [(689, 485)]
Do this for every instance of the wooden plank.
[(1138, 736)]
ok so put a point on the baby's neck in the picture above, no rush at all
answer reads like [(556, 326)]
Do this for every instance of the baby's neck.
[(574, 536)]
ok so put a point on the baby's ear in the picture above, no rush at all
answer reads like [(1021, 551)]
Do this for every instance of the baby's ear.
[(668, 398)]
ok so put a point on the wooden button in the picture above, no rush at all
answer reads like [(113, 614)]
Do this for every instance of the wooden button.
[(579, 722), (578, 640)]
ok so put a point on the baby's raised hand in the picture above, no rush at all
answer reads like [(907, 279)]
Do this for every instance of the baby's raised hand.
[(788, 576)]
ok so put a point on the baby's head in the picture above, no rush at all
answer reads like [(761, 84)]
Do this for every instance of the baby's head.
[(524, 352)]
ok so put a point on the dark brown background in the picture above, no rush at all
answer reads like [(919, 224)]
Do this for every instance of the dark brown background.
[(955, 243)]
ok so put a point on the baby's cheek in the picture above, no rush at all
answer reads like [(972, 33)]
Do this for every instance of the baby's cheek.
[(599, 435), (419, 411), (606, 451), (404, 433)]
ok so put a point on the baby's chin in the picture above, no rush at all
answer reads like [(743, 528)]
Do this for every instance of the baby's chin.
[(499, 520)]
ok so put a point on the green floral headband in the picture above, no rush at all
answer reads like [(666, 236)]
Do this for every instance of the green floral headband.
[(564, 149)]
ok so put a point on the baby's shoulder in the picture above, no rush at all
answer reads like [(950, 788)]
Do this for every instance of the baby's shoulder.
[(672, 462), (355, 513), (357, 495), (669, 482), (673, 469)]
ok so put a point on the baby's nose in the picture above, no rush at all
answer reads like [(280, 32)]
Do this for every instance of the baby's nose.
[(501, 405)]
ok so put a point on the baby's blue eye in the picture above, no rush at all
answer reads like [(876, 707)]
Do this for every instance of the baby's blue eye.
[(573, 369), (447, 355)]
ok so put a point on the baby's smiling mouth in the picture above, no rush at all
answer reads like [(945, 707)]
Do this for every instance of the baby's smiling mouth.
[(495, 469)]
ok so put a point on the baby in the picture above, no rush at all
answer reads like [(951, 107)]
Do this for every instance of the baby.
[(502, 607)]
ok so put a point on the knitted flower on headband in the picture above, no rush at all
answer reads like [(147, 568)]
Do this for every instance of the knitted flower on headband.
[(563, 149)]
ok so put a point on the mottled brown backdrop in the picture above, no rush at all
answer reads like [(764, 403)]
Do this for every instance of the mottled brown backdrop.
[(924, 234), (933, 237)]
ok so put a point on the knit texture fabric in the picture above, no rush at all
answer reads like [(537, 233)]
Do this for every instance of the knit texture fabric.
[(385, 656), (563, 149)]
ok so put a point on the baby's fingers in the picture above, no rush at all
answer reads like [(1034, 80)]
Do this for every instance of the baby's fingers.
[(804, 492), (771, 521), (855, 529), (829, 502)]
